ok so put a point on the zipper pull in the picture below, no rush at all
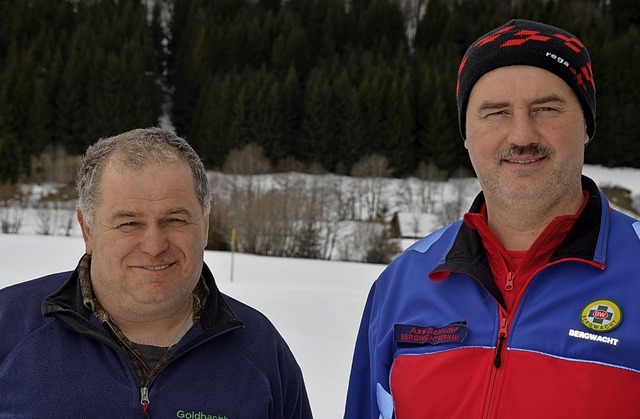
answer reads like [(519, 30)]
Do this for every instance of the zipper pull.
[(502, 336), (144, 400), (509, 285)]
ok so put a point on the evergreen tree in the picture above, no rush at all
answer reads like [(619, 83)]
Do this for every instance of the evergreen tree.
[(399, 143), (265, 122), (290, 105), (318, 141), (38, 129), (617, 123), (372, 92), (211, 120), (624, 14), (350, 122), (69, 101), (290, 48), (186, 72), (445, 145), (10, 158), (382, 25), (430, 28)]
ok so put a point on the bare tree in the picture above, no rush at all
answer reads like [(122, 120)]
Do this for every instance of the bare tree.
[(331, 199), (13, 202), (293, 214), (47, 218), (454, 208), (247, 163), (432, 178), (11, 218), (367, 242), (371, 169), (418, 195), (245, 188), (415, 225), (55, 165), (249, 160), (53, 215)]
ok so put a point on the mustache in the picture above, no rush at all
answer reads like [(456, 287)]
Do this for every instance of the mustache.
[(533, 149)]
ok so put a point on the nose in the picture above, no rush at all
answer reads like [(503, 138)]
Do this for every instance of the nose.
[(154, 241), (522, 130)]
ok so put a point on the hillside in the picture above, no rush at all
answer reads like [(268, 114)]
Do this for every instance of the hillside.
[(323, 83), (298, 215)]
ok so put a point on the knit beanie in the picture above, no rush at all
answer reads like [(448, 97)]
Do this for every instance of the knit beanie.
[(523, 42)]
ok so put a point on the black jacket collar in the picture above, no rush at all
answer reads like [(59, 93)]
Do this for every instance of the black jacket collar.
[(467, 253), (67, 303)]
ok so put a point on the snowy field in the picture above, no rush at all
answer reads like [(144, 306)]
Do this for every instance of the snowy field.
[(316, 305)]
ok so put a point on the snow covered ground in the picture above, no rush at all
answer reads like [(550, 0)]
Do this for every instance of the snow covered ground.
[(316, 305)]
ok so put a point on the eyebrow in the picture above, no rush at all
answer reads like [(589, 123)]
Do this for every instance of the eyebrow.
[(136, 214), (179, 211), (548, 99), (125, 214), (489, 105)]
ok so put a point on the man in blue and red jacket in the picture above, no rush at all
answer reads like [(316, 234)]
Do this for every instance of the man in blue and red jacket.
[(139, 328), (528, 306)]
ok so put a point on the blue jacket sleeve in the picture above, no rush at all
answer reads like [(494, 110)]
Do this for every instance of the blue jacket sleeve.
[(369, 380)]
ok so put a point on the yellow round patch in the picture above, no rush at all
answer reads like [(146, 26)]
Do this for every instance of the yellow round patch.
[(601, 316)]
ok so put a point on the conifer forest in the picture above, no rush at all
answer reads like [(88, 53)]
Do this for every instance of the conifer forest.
[(315, 82)]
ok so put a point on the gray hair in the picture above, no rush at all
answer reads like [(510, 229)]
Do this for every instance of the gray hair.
[(134, 150)]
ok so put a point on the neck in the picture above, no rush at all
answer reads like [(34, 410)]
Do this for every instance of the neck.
[(164, 330), (518, 224)]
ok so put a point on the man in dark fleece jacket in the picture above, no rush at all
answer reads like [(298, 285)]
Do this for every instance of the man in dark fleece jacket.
[(139, 328)]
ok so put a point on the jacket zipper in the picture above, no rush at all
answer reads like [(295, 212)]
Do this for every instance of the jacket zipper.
[(502, 336), (497, 361), (144, 390), (144, 400), (504, 321)]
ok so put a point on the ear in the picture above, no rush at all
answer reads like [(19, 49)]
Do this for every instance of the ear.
[(586, 134), (86, 231), (206, 230)]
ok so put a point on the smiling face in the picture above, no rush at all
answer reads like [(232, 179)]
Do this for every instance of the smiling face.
[(526, 135), (146, 240)]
